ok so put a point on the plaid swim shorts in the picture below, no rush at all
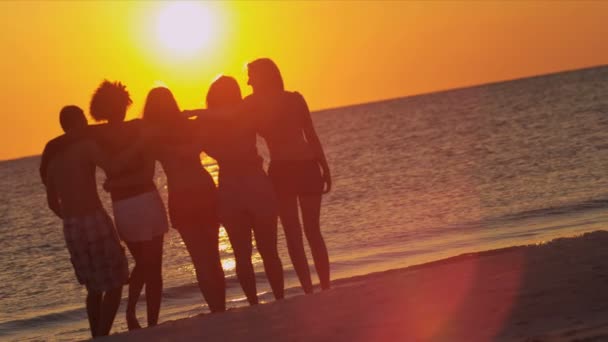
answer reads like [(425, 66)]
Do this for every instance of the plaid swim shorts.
[(96, 254)]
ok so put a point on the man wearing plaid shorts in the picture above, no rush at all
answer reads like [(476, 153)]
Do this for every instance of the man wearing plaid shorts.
[(96, 254)]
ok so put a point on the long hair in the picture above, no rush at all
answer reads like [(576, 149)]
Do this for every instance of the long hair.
[(161, 106), (223, 92), (110, 101), (267, 74)]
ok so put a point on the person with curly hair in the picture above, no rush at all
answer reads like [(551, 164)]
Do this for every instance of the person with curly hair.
[(139, 212)]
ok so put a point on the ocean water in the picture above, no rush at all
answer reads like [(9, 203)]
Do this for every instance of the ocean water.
[(415, 179)]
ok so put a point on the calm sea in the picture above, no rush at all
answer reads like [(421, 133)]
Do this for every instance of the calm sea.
[(415, 179)]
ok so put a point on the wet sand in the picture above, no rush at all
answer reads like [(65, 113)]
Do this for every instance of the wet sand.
[(556, 291)]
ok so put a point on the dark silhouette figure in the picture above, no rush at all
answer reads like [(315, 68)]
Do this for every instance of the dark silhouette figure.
[(298, 168), (247, 200), (55, 146), (99, 261), (192, 194), (139, 212)]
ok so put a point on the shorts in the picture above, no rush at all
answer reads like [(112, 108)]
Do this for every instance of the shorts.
[(296, 177), (141, 217), (96, 254)]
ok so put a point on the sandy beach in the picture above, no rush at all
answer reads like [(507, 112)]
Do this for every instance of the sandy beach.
[(555, 291)]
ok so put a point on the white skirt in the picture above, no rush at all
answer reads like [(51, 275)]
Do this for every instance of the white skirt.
[(140, 218)]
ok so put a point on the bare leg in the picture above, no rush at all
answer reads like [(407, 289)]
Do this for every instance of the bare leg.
[(152, 252), (202, 244), (136, 283), (239, 233), (265, 229), (109, 306), (93, 303), (288, 211), (311, 212)]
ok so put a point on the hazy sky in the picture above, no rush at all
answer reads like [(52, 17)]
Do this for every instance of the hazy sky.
[(335, 53)]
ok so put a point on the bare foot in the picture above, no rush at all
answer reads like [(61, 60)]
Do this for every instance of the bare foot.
[(132, 323)]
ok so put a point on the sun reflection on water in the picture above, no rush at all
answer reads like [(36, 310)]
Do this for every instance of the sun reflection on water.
[(211, 166), (188, 268), (225, 245), (228, 264), (256, 258)]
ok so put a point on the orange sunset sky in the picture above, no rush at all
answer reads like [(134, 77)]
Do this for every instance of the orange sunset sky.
[(335, 53)]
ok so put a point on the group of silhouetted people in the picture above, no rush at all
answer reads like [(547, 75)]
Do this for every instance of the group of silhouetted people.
[(247, 200)]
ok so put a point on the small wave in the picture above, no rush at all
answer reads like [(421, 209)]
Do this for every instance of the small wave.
[(232, 283), (508, 219), (176, 297), (46, 319), (570, 208)]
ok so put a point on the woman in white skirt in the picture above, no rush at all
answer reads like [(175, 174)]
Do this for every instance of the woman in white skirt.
[(139, 213)]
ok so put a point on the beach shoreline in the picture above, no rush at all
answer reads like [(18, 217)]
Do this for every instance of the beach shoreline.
[(553, 291)]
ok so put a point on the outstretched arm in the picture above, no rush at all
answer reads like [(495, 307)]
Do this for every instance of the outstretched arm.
[(211, 114), (143, 176), (117, 164), (222, 115), (313, 140)]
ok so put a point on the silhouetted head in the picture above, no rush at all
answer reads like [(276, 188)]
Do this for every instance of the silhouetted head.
[(72, 119), (161, 106), (225, 91), (110, 102), (264, 76)]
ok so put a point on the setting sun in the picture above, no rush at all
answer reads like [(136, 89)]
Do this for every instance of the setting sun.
[(184, 28)]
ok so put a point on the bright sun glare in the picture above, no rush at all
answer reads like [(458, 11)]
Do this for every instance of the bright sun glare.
[(184, 28)]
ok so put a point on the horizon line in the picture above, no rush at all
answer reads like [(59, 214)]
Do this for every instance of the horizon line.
[(463, 87), (438, 91)]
